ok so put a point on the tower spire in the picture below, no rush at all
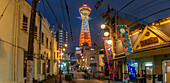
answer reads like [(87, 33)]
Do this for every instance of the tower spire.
[(85, 37)]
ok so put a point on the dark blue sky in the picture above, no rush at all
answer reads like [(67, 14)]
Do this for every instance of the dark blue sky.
[(94, 24)]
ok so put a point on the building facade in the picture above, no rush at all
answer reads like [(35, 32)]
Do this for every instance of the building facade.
[(14, 44), (61, 36), (150, 46)]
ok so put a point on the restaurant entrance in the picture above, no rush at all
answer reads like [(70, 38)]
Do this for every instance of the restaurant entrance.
[(166, 71)]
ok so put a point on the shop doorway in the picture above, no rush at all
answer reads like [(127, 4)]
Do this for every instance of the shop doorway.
[(166, 71), (149, 74)]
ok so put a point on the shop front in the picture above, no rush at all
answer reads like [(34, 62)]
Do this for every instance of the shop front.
[(166, 71), (151, 53)]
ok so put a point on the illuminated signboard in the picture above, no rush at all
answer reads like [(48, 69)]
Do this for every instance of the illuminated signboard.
[(132, 73), (78, 48), (59, 54), (149, 41), (78, 52)]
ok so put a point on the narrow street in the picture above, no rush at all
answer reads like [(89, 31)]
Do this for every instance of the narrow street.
[(79, 78), (85, 41)]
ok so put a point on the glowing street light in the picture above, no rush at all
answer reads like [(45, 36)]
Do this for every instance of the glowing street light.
[(65, 45), (109, 41), (103, 26), (62, 54), (64, 49), (106, 34)]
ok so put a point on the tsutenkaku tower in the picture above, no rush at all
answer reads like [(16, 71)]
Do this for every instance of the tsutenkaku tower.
[(85, 31)]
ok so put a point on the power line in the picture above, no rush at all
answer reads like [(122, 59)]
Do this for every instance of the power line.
[(142, 6), (63, 14), (149, 16), (5, 9), (44, 8), (151, 6), (98, 4), (120, 10), (125, 6), (69, 21), (53, 13)]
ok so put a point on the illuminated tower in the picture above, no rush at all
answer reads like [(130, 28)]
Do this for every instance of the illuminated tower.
[(85, 32)]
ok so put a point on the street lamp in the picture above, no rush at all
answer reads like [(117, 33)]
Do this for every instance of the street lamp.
[(64, 49), (109, 31), (106, 34), (103, 26), (62, 54), (109, 41), (65, 45)]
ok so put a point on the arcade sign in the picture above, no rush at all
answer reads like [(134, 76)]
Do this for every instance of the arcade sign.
[(149, 41)]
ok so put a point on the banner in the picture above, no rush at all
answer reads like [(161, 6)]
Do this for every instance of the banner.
[(107, 58), (108, 47), (128, 50)]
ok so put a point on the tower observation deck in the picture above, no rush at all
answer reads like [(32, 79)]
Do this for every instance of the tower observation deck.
[(85, 32)]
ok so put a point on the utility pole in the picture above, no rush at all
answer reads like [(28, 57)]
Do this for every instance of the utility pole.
[(40, 42), (52, 52), (29, 73), (108, 16)]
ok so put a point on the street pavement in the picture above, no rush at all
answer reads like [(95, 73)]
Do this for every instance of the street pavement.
[(79, 78)]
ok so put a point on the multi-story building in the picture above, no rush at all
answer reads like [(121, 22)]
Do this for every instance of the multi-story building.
[(14, 44), (92, 57), (61, 36)]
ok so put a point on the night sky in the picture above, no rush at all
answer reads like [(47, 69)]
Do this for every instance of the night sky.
[(94, 24)]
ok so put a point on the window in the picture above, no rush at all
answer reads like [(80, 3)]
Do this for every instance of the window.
[(92, 58), (42, 38), (25, 23), (35, 32), (46, 42), (91, 49)]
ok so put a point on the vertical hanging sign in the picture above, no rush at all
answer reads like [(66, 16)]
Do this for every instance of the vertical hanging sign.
[(127, 49), (108, 47), (59, 54), (125, 40)]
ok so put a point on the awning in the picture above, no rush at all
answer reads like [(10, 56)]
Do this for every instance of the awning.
[(122, 58), (155, 52)]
